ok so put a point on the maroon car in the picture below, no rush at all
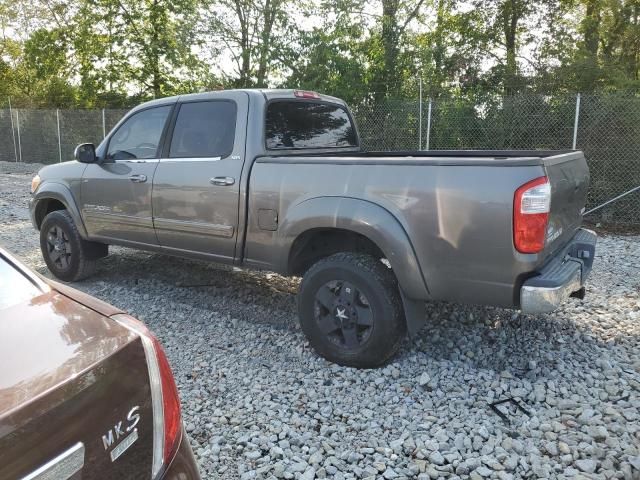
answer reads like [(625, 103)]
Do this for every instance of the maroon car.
[(85, 390)]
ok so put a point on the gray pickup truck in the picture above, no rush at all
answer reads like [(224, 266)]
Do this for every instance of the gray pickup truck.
[(276, 180)]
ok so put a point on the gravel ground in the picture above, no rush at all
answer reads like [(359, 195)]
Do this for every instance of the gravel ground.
[(258, 403)]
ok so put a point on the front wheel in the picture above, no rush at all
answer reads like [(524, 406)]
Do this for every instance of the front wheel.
[(67, 255), (350, 310)]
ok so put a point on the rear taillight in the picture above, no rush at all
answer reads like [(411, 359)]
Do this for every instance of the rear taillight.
[(531, 206), (306, 94), (164, 396)]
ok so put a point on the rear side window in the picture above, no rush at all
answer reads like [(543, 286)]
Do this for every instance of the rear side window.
[(291, 124), (204, 129)]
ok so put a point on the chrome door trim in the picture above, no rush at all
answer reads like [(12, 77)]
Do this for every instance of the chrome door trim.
[(62, 467), (142, 160), (197, 228), (189, 159), (117, 218)]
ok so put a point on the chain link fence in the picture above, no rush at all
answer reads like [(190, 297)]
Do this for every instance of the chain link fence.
[(605, 127), (50, 136)]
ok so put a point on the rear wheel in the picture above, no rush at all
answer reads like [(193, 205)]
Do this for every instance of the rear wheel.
[(67, 255), (350, 310)]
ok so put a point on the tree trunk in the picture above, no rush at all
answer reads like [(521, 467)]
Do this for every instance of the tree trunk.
[(510, 26), (270, 11), (245, 48), (439, 47), (385, 82), (156, 77), (591, 37), (591, 27)]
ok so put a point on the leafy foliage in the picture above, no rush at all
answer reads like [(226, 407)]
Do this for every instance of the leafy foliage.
[(93, 53)]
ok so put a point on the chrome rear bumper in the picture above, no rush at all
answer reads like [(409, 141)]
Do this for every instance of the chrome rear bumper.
[(565, 274)]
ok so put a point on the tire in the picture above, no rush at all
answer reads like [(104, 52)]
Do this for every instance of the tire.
[(67, 255), (350, 310)]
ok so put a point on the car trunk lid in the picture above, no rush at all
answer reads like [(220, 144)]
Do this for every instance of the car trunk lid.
[(72, 378)]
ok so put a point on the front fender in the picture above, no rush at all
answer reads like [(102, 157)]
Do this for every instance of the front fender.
[(362, 217), (56, 191)]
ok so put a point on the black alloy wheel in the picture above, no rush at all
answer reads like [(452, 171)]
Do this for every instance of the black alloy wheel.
[(350, 309)]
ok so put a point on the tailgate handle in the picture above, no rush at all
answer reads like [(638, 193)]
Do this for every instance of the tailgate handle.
[(63, 467)]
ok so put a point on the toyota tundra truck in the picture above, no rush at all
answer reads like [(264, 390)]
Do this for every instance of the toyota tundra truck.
[(277, 180)]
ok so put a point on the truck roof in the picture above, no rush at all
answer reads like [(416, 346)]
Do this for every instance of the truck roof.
[(267, 93)]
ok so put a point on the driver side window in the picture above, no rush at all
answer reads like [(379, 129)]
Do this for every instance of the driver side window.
[(139, 136)]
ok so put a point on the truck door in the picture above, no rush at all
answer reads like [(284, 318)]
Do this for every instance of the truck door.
[(196, 186), (116, 193)]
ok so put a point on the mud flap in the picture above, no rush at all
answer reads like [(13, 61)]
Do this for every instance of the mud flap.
[(415, 312)]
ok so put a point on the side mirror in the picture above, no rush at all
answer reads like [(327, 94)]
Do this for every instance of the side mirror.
[(85, 153)]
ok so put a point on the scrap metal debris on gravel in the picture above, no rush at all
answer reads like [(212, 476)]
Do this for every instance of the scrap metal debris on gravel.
[(258, 403)]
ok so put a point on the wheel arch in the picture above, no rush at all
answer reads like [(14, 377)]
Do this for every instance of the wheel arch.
[(363, 223), (55, 196)]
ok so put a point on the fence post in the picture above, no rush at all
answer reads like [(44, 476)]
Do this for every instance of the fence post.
[(13, 132), (104, 125), (18, 128), (429, 124), (420, 117), (575, 122), (59, 137)]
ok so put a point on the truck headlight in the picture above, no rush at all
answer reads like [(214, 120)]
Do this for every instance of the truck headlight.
[(35, 183)]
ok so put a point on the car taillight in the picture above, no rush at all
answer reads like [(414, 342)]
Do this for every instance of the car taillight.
[(306, 94), (164, 396), (531, 206)]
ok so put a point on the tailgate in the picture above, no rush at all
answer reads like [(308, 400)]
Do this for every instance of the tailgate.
[(568, 174), (74, 392)]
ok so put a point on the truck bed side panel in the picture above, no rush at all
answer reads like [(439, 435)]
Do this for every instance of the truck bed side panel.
[(458, 217)]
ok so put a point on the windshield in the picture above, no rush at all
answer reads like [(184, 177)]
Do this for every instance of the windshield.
[(15, 288)]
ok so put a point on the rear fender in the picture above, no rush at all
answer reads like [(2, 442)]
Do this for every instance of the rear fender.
[(362, 217)]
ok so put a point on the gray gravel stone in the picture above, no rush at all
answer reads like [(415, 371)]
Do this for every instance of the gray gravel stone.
[(586, 465), (258, 403), (436, 458)]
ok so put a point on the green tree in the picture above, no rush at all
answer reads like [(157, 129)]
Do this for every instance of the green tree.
[(255, 34), (144, 45), (333, 56)]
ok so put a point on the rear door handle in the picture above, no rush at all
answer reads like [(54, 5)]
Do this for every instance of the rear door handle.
[(223, 181), (138, 178)]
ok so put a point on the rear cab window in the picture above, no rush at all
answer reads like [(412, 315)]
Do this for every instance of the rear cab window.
[(15, 287), (296, 124)]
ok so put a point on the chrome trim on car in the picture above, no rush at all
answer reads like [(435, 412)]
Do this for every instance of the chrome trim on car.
[(190, 159), (117, 218), (63, 467), (198, 228), (545, 299), (138, 160)]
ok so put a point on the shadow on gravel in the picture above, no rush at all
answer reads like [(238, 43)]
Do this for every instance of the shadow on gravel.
[(191, 281), (484, 338), (526, 346)]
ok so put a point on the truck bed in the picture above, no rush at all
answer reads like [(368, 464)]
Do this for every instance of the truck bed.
[(455, 206)]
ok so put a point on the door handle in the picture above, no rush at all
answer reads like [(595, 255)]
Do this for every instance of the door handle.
[(138, 178), (222, 181)]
